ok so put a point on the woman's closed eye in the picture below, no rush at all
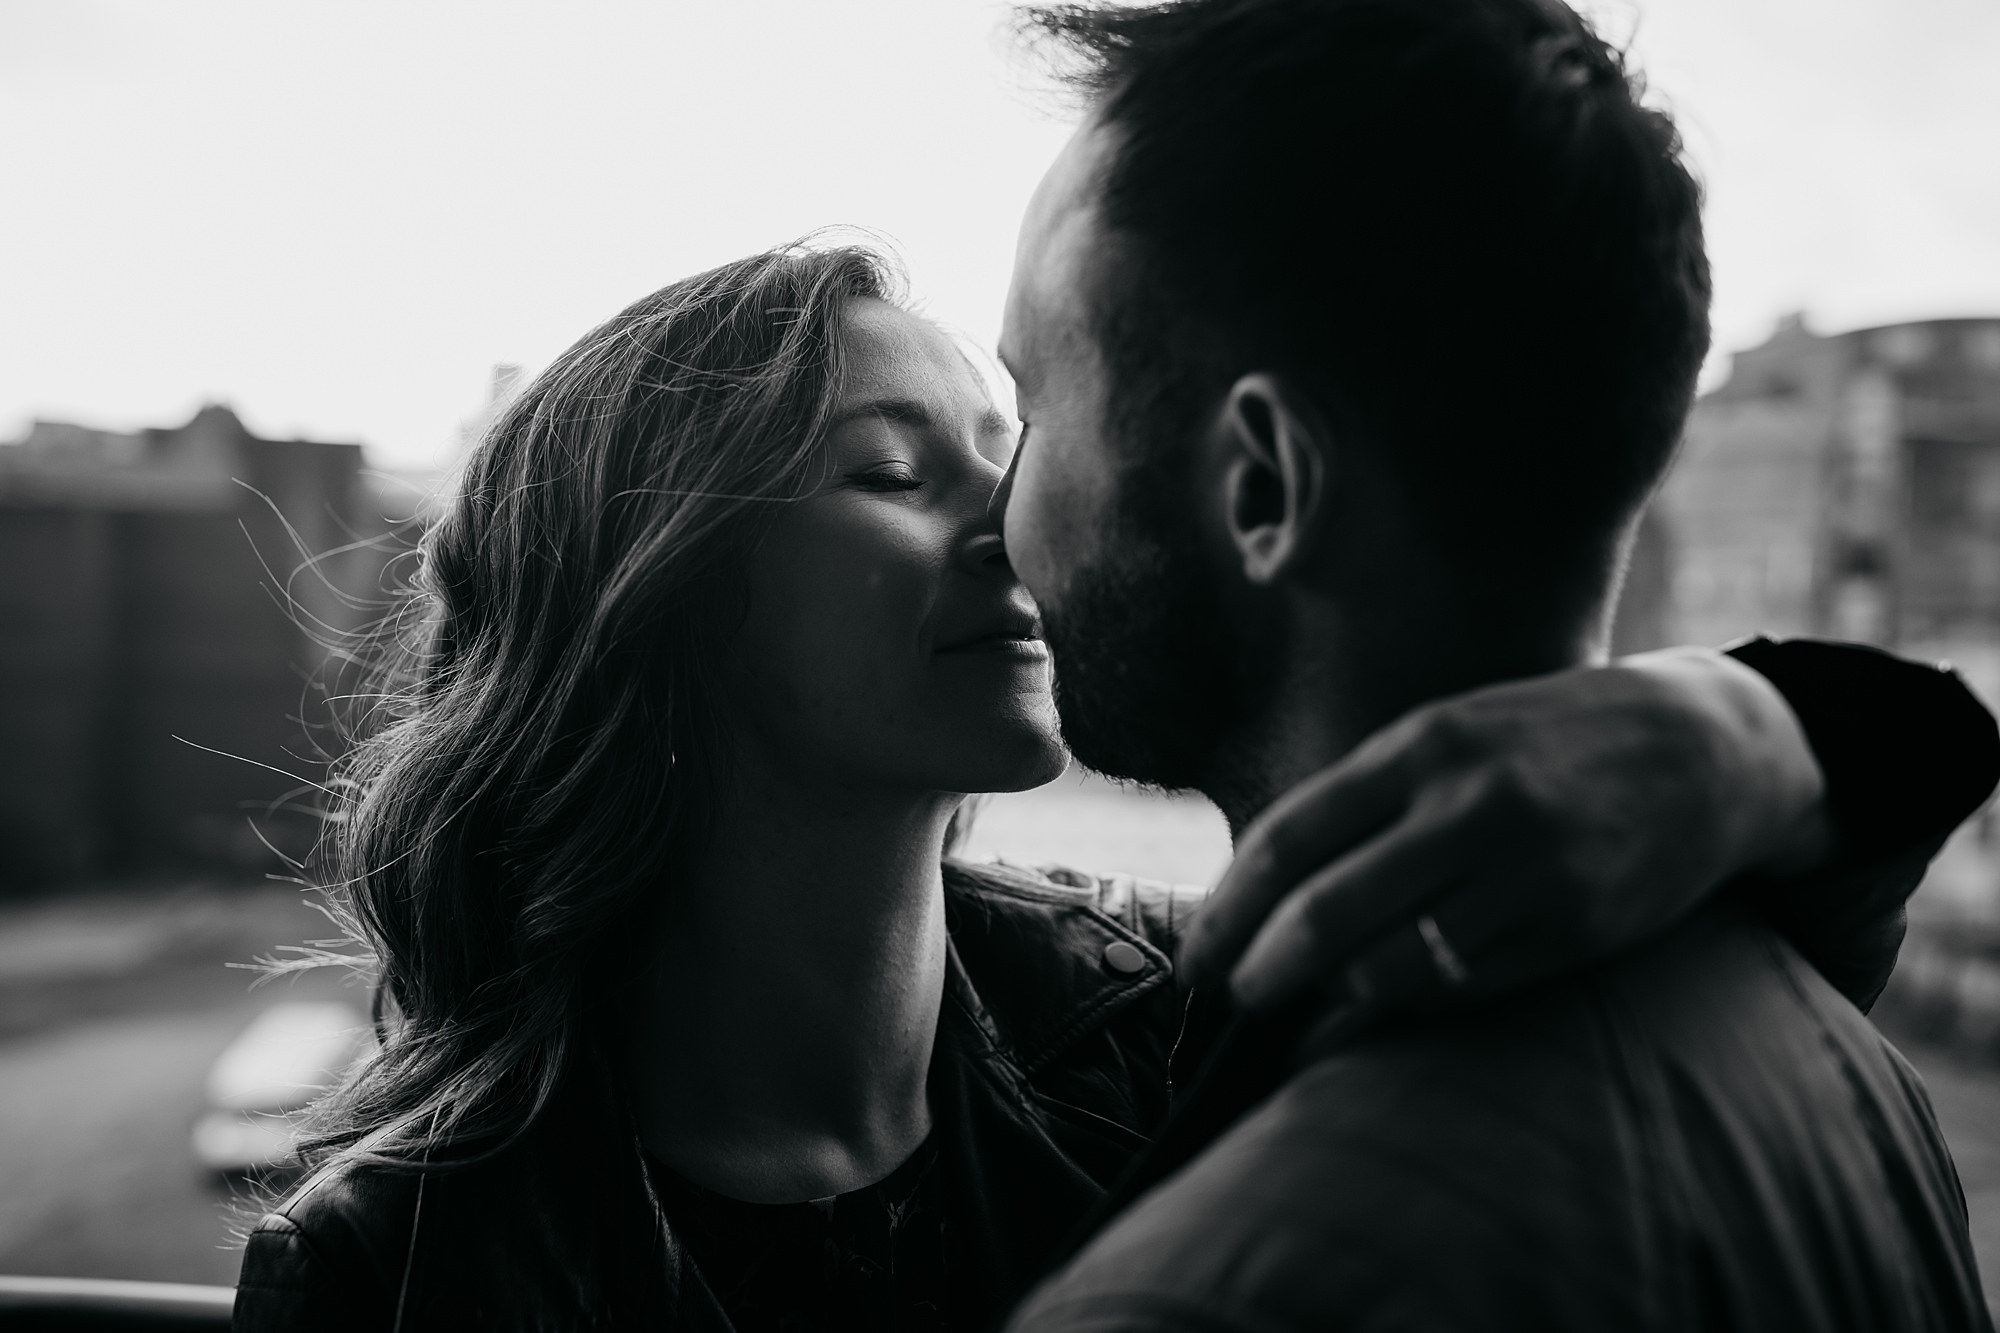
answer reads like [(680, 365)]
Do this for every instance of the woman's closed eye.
[(887, 477)]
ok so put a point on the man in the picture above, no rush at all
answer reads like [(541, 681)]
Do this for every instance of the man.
[(1350, 337)]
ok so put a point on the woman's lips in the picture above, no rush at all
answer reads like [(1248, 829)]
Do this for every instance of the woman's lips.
[(1000, 645)]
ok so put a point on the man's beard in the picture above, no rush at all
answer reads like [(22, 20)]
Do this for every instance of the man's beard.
[(1148, 681)]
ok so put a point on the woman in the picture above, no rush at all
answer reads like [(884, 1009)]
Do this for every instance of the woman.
[(686, 1021)]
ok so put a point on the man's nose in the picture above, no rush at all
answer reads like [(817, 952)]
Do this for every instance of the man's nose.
[(996, 508), (985, 553)]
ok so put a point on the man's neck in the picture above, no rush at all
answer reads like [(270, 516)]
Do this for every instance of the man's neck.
[(785, 1030), (1332, 694)]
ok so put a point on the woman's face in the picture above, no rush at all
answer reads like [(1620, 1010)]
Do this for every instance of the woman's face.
[(887, 642)]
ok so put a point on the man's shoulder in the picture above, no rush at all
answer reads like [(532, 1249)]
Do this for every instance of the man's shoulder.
[(1571, 1158), (1389, 1179)]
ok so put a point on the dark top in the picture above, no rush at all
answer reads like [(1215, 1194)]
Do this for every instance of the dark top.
[(1051, 1071), (870, 1259), (1050, 1068)]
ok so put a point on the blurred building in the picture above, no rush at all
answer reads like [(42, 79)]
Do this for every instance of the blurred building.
[(1845, 486), (160, 606)]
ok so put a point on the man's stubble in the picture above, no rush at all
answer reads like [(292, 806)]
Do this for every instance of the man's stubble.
[(1150, 683)]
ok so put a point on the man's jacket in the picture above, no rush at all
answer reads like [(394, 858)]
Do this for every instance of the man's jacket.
[(1702, 1135)]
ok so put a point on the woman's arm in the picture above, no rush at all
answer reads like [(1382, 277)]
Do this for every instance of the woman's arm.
[(1908, 753), (1510, 833)]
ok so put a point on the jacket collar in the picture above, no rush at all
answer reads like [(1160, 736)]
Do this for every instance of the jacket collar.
[(1033, 976), (564, 1228)]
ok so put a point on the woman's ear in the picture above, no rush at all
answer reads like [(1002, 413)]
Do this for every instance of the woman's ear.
[(1278, 466)]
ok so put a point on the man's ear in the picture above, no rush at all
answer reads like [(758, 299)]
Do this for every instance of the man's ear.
[(1278, 467)]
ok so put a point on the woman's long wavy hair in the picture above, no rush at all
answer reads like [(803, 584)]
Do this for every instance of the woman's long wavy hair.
[(538, 738)]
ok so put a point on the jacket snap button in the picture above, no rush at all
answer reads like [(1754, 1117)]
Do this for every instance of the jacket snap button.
[(1124, 959)]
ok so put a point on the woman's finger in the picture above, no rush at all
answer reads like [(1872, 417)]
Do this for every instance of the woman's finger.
[(1457, 943), (1305, 829), (1315, 930)]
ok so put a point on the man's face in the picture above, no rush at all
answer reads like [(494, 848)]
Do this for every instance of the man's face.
[(1099, 511), (1065, 476)]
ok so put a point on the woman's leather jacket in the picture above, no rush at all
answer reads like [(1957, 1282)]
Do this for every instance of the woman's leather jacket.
[(1051, 1069)]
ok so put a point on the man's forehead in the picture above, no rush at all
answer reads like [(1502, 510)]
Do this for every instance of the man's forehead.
[(1059, 246)]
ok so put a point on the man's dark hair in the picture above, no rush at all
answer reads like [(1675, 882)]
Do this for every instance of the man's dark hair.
[(1451, 220)]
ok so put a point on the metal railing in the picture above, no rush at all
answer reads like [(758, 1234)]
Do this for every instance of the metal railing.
[(100, 1305)]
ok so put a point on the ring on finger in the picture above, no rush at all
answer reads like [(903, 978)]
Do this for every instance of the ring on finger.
[(1450, 966)]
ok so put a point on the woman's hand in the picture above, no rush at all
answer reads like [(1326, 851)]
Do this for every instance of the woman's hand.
[(1492, 838)]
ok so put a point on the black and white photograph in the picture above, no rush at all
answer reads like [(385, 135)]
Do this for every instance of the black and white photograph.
[(982, 666)]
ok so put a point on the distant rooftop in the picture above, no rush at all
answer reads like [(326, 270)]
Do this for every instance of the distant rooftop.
[(1944, 357), (190, 468)]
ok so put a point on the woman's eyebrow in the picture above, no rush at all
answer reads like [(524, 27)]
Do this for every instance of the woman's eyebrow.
[(910, 412), (904, 410)]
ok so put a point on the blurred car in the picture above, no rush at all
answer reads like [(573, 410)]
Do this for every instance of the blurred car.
[(289, 1055)]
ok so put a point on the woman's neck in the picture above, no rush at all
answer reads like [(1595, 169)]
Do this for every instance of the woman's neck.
[(784, 1033)]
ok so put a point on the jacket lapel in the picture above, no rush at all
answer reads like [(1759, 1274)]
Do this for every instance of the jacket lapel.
[(1034, 960)]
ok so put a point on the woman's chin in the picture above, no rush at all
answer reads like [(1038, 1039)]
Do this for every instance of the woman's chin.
[(1051, 764), (1020, 760)]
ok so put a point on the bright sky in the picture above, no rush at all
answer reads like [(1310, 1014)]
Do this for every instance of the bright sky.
[(337, 215)]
